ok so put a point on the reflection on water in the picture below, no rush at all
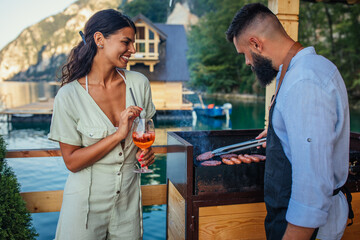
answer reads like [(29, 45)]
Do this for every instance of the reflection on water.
[(13, 94), (41, 174)]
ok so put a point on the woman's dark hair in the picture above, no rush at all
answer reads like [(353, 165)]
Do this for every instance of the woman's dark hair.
[(81, 57)]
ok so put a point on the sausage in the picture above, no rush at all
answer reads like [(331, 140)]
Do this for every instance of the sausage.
[(253, 158), (261, 157), (235, 160), (211, 163), (244, 159), (227, 161)]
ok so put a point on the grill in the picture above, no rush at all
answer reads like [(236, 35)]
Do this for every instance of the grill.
[(193, 187)]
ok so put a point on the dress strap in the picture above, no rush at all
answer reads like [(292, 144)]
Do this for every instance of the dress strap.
[(123, 77), (86, 84)]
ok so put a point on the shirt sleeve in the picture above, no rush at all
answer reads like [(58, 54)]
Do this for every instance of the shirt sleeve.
[(310, 118), (63, 124), (149, 105)]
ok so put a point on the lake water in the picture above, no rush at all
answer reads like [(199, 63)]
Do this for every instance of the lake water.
[(42, 174)]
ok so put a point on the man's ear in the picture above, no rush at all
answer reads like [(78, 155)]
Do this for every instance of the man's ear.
[(256, 44)]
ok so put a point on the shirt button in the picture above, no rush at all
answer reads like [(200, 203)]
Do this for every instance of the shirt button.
[(119, 173), (91, 134), (120, 153), (309, 139), (117, 192)]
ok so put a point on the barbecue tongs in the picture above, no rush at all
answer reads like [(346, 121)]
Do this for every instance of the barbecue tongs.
[(238, 146)]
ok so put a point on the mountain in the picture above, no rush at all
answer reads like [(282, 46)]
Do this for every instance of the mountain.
[(39, 51)]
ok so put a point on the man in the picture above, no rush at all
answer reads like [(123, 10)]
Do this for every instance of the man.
[(307, 145)]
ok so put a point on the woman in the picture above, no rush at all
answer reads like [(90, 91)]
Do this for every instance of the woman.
[(92, 120)]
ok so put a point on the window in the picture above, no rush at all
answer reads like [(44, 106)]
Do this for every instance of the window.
[(140, 32), (151, 35), (151, 47), (140, 47)]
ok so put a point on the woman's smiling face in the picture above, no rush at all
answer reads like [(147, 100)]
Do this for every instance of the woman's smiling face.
[(119, 46)]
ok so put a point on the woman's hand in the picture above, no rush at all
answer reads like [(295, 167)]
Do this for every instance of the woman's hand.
[(146, 157), (262, 135), (126, 120)]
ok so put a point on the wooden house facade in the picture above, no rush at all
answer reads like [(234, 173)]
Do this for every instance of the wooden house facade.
[(161, 56)]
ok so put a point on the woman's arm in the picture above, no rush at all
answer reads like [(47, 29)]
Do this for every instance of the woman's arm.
[(77, 158)]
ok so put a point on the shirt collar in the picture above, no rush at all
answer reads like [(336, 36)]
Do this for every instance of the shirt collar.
[(303, 52)]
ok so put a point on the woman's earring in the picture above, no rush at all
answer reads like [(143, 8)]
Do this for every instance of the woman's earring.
[(100, 46)]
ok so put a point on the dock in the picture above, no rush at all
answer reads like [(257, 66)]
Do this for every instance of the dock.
[(36, 108), (42, 111)]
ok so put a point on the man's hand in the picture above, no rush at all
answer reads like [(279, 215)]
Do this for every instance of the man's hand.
[(262, 135), (294, 232)]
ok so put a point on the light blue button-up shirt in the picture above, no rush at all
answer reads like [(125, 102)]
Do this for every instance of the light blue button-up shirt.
[(311, 119)]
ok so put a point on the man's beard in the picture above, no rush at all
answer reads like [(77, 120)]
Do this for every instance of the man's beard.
[(263, 68)]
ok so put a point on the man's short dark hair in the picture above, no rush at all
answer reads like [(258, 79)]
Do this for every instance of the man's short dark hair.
[(245, 17)]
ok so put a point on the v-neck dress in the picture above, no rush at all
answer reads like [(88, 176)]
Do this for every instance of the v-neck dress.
[(102, 201)]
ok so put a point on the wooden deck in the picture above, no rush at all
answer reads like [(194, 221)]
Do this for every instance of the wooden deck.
[(46, 107), (40, 107)]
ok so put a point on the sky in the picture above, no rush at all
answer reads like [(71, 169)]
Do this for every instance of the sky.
[(16, 15)]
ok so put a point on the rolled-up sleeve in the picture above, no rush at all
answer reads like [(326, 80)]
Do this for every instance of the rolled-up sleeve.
[(311, 135), (63, 124)]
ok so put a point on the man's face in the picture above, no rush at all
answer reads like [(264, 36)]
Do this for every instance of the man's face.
[(260, 65)]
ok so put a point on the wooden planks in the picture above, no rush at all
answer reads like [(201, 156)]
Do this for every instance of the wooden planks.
[(25, 153), (246, 221), (50, 201), (239, 221), (40, 107), (153, 194), (168, 96), (46, 201), (176, 214), (55, 152)]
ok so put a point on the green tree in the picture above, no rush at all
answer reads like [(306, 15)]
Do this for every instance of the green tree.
[(155, 10), (15, 220), (214, 63), (334, 31)]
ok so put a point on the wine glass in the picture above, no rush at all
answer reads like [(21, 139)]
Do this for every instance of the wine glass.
[(143, 137)]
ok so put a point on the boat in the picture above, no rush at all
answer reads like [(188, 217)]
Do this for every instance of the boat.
[(213, 111)]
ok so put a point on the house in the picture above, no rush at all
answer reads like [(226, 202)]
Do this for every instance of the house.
[(161, 56)]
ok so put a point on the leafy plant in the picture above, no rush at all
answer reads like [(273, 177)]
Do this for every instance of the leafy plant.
[(15, 220), (334, 31), (214, 63), (154, 10)]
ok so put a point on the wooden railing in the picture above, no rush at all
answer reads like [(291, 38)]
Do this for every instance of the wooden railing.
[(50, 201)]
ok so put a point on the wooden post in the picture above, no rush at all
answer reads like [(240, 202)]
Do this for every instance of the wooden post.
[(287, 12)]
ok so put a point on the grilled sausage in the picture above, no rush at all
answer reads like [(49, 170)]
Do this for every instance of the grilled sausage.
[(244, 159), (261, 157), (235, 160), (253, 158), (227, 161)]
